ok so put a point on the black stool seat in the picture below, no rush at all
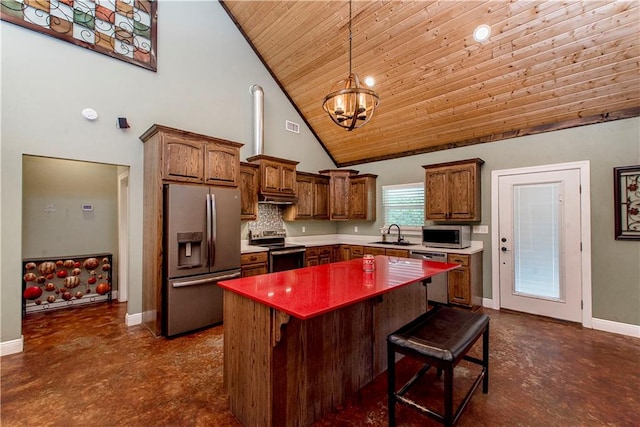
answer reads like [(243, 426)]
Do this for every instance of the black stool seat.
[(440, 338)]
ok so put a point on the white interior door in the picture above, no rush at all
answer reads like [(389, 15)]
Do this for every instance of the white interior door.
[(539, 220)]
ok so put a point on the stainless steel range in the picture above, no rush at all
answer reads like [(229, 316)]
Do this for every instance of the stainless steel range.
[(282, 256)]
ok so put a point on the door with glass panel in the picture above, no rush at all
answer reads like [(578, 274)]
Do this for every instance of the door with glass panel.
[(539, 237)]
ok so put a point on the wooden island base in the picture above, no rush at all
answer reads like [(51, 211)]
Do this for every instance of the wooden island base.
[(283, 371)]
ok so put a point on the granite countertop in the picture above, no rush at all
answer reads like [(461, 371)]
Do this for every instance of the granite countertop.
[(311, 291)]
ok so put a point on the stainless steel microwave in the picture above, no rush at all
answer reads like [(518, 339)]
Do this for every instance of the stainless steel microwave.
[(447, 236)]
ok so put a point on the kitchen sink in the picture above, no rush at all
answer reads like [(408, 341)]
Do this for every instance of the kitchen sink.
[(403, 243)]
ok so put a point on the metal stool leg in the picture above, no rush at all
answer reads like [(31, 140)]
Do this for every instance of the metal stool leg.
[(485, 360)]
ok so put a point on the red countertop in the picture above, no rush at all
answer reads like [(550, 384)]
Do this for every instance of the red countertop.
[(308, 292)]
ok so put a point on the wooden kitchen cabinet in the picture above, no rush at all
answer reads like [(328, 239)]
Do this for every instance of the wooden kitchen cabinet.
[(351, 196), (222, 163), (339, 192), (321, 197), (311, 257), (344, 253), (248, 191), (277, 176), (357, 251), (370, 250), (362, 197), (312, 192), (253, 264), (325, 255), (465, 282), (373, 250), (452, 191), (400, 253), (318, 255), (190, 157)]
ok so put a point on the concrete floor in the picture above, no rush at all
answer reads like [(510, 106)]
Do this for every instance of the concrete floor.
[(85, 367)]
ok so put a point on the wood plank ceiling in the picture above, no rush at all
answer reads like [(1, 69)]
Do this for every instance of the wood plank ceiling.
[(548, 65)]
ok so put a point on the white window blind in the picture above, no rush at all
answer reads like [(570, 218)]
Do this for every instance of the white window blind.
[(403, 204)]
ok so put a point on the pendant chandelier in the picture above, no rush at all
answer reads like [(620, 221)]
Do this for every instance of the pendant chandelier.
[(350, 105)]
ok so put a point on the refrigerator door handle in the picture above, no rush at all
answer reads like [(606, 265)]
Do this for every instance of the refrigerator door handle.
[(204, 281), (209, 264), (214, 213)]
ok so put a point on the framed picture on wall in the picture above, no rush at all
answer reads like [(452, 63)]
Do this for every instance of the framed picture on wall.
[(626, 190), (122, 29)]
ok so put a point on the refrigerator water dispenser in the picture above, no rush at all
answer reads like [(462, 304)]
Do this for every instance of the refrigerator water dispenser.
[(190, 251)]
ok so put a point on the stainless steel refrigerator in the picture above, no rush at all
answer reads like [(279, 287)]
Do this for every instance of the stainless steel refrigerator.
[(201, 248)]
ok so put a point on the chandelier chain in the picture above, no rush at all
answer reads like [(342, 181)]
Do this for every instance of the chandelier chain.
[(351, 105), (350, 37)]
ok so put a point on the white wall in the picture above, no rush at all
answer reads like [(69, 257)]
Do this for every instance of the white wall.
[(205, 69)]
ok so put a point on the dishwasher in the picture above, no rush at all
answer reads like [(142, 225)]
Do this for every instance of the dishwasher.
[(437, 289)]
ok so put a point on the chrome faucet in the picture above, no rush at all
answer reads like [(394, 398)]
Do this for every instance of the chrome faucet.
[(398, 227)]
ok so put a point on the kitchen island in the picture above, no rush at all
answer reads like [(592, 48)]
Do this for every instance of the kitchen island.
[(297, 343)]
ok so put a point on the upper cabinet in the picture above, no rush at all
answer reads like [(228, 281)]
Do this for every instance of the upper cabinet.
[(362, 197), (277, 177), (313, 198), (452, 191), (351, 196), (248, 191), (189, 157), (221, 164)]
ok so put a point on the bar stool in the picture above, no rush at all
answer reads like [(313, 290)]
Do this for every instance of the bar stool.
[(440, 338)]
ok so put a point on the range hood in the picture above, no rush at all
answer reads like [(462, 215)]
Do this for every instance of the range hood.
[(276, 200), (279, 191)]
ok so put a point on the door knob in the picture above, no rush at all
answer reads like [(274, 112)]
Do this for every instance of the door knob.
[(504, 239), (503, 249)]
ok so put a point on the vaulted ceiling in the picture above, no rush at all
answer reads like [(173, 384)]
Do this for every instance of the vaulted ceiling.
[(547, 65)]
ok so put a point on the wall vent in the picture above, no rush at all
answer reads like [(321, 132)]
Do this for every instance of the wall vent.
[(292, 127)]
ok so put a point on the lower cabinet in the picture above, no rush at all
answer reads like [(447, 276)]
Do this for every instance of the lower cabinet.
[(325, 255), (400, 253), (357, 251), (465, 282), (370, 250), (344, 253), (348, 252), (318, 255), (253, 264)]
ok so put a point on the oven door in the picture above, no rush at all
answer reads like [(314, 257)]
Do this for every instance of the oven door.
[(286, 259)]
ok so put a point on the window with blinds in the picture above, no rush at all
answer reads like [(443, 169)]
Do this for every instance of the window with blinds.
[(403, 204)]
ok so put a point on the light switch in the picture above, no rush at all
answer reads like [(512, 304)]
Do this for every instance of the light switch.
[(481, 229)]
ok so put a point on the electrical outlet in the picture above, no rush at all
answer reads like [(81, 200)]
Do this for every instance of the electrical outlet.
[(481, 229), (49, 207), (355, 229), (304, 229)]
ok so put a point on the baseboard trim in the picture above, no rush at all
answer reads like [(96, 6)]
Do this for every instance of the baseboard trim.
[(597, 324), (133, 319), (12, 347), (616, 327), (487, 302)]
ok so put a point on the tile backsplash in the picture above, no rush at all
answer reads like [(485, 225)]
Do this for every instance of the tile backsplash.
[(269, 218)]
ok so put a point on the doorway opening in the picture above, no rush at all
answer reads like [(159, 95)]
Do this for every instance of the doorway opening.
[(541, 252), (71, 208)]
